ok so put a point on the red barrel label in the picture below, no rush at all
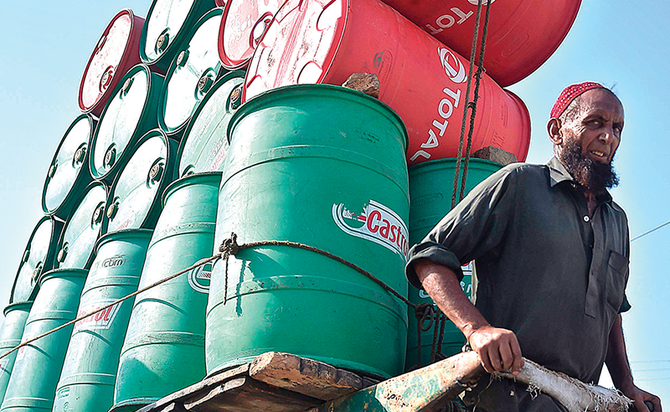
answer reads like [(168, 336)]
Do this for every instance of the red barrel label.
[(377, 223), (99, 320)]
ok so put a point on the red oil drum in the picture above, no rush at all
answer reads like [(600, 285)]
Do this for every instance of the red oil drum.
[(244, 24), (116, 52), (325, 41), (220, 3), (521, 34)]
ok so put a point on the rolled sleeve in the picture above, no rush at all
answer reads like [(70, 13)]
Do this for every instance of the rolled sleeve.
[(474, 227)]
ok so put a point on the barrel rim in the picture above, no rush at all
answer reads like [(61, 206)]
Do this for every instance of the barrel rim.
[(124, 58), (79, 179), (56, 230), (293, 90), (17, 306), (173, 66), (185, 137), (123, 234), (58, 273), (168, 176), (183, 181), (152, 78), (429, 164)]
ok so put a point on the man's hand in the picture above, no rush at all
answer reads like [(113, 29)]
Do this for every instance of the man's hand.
[(497, 348), (641, 397)]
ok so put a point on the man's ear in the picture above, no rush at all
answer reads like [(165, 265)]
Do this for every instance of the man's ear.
[(554, 129)]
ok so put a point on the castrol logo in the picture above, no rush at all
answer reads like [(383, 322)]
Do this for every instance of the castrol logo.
[(200, 277), (99, 320), (377, 223), (452, 65)]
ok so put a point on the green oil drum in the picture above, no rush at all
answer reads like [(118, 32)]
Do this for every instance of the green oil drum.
[(16, 315), (81, 231), (205, 143), (89, 371), (38, 257), (68, 173), (38, 365), (134, 198), (165, 29), (431, 188), (323, 166), (191, 75), (163, 349), (129, 114)]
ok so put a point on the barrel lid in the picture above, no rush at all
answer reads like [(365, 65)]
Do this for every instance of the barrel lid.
[(18, 306), (243, 26), (115, 52), (204, 145), (191, 75), (166, 26), (124, 120), (134, 200), (65, 176), (299, 45), (37, 257), (82, 229), (123, 234)]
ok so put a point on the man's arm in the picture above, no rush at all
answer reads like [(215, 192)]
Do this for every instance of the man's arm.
[(497, 348), (619, 368)]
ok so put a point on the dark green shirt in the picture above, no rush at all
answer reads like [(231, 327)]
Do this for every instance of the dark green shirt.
[(543, 268)]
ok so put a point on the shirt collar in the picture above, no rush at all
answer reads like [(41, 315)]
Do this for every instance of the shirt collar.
[(558, 174)]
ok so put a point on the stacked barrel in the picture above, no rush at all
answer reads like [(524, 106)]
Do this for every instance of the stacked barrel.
[(210, 118)]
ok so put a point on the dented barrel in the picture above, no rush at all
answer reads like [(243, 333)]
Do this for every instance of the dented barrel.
[(37, 367), (205, 143), (134, 198), (191, 75), (424, 81), (323, 166), (16, 315), (68, 173), (167, 324), (431, 185), (166, 28), (130, 113), (115, 53), (89, 370)]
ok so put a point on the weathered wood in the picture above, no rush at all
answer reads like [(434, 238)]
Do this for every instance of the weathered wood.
[(192, 390), (495, 154), (244, 394), (306, 376), (424, 389), (367, 83)]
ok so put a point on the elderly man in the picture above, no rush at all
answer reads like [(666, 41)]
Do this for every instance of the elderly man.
[(551, 254)]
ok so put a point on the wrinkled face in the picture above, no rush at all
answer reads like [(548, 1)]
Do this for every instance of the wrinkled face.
[(596, 126)]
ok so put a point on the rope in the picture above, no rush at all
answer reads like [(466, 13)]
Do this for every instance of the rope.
[(153, 285), (228, 247)]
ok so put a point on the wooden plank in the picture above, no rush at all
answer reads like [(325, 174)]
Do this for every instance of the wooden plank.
[(305, 376), (244, 394)]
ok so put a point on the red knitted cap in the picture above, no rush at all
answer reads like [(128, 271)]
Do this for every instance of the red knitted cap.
[(569, 94)]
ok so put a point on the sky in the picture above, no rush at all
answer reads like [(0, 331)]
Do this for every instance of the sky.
[(622, 44)]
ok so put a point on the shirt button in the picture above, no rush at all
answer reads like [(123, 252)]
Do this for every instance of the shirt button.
[(586, 218)]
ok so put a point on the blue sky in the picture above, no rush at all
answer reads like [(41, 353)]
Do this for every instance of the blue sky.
[(620, 43)]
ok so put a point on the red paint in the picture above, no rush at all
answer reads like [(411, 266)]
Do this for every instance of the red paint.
[(241, 28), (522, 34), (115, 53), (325, 41)]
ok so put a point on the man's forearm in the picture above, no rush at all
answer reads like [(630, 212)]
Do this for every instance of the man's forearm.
[(617, 359)]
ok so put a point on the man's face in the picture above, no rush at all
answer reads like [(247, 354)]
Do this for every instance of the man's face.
[(597, 125), (591, 136)]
